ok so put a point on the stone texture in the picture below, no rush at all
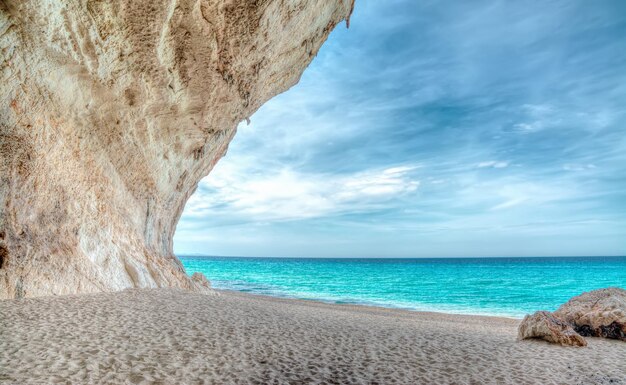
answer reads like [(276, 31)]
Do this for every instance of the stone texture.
[(200, 281), (111, 113), (597, 313), (546, 326)]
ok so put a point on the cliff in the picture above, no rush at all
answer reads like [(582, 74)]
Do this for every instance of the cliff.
[(111, 113)]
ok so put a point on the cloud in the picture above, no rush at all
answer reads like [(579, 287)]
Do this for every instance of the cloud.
[(578, 167), (493, 164), (532, 194), (291, 195)]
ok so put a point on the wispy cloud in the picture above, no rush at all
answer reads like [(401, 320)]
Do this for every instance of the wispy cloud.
[(493, 164), (287, 194), (532, 194)]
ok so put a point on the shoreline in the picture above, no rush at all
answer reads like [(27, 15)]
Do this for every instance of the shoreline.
[(357, 306), (164, 336)]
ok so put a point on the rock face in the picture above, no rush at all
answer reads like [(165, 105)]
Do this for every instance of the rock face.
[(598, 313), (546, 326), (112, 111)]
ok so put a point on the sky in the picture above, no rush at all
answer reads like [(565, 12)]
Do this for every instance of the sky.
[(434, 129)]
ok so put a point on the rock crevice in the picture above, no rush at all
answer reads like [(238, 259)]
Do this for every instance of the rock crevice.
[(111, 114)]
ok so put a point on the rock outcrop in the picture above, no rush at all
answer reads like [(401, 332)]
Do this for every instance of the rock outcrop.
[(598, 313), (111, 113), (544, 325)]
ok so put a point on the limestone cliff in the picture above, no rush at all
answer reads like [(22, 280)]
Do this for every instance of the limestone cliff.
[(111, 113)]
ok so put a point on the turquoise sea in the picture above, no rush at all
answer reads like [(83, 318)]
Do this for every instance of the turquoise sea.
[(492, 286)]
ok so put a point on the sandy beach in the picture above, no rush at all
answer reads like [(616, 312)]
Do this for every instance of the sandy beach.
[(175, 337)]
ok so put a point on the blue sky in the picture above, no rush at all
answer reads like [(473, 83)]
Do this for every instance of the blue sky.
[(432, 129)]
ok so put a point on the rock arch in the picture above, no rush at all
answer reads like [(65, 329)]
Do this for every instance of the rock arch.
[(111, 114)]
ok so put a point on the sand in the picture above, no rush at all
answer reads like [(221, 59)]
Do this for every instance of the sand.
[(174, 337)]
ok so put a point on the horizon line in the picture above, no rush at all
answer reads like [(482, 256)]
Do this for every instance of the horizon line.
[(457, 257)]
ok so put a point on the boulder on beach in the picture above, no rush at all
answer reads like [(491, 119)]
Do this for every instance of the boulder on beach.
[(544, 325), (597, 313), (201, 283)]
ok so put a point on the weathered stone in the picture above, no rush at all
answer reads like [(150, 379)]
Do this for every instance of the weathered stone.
[(200, 281), (597, 313), (546, 326), (111, 113)]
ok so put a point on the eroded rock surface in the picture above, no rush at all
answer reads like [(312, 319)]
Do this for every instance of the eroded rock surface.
[(598, 313), (111, 113), (546, 326), (201, 282)]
